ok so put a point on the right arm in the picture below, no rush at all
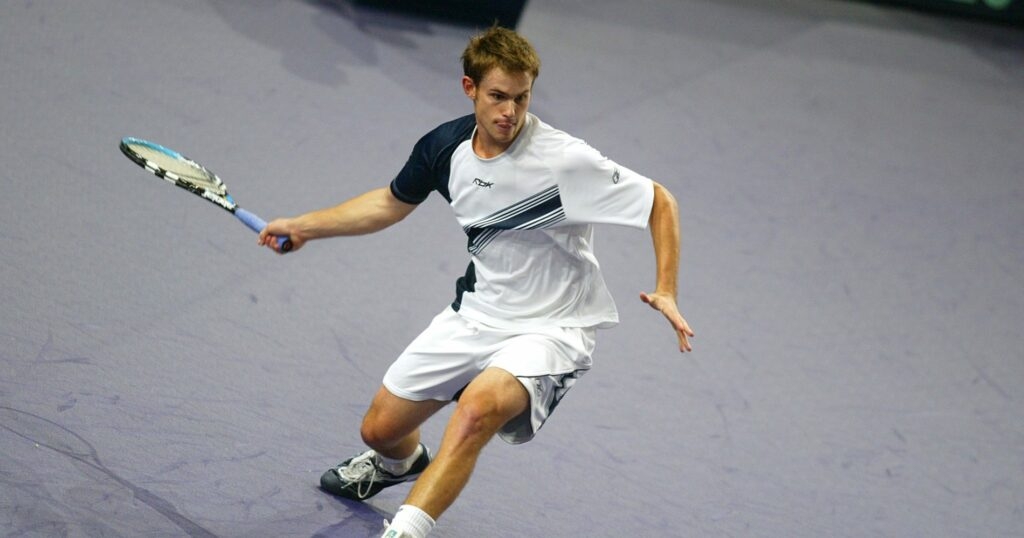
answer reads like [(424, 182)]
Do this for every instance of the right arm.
[(379, 208), (364, 214)]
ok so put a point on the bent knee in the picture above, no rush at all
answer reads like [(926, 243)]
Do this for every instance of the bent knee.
[(485, 415), (380, 433), (373, 436)]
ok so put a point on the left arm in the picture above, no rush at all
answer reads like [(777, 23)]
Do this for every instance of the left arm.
[(664, 224)]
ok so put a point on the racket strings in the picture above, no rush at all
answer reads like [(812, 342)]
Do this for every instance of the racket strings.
[(179, 169)]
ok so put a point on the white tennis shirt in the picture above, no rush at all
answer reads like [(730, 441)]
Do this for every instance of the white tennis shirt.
[(528, 215)]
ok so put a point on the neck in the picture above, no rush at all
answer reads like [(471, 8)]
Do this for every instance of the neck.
[(486, 148)]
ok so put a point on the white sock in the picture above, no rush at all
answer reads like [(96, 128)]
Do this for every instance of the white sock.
[(399, 467), (409, 521)]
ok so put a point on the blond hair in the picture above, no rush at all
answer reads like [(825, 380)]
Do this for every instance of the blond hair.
[(499, 47)]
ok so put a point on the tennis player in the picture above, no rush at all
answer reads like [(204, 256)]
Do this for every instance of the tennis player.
[(521, 329)]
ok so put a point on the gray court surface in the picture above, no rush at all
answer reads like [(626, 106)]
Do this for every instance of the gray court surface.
[(851, 185)]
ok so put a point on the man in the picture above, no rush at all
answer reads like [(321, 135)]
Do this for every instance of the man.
[(521, 329)]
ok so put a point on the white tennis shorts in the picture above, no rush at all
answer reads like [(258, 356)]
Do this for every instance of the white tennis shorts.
[(453, 350)]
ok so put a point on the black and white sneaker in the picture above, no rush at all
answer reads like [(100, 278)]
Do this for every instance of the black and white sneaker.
[(362, 476)]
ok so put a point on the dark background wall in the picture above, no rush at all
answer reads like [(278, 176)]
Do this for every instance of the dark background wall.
[(1009, 11)]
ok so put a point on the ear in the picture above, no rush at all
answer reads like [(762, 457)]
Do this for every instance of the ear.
[(469, 87)]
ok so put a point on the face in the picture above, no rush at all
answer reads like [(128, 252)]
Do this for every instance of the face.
[(500, 103)]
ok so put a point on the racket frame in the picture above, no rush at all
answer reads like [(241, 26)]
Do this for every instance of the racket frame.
[(223, 200)]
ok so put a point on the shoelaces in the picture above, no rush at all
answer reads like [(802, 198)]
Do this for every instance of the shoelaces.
[(362, 471)]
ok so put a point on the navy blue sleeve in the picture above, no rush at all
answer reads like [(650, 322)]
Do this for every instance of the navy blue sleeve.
[(429, 165)]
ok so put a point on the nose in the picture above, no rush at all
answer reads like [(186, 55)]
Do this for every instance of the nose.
[(508, 109)]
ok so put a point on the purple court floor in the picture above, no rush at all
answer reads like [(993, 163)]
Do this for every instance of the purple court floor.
[(851, 185)]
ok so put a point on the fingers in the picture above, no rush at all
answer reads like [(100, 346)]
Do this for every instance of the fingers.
[(685, 333), (266, 239), (269, 239), (684, 327), (684, 339), (684, 342), (278, 244)]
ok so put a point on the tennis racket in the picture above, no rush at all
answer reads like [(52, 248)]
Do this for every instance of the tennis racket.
[(184, 172)]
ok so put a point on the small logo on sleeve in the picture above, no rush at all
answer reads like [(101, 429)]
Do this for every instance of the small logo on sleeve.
[(615, 177)]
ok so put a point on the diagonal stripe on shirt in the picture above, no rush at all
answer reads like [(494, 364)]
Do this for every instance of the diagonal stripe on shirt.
[(541, 210)]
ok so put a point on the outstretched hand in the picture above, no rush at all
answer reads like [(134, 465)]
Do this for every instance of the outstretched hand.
[(666, 304)]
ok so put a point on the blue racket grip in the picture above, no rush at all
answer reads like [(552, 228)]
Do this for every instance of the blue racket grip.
[(257, 225)]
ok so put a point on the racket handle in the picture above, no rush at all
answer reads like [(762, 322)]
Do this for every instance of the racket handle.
[(257, 225)]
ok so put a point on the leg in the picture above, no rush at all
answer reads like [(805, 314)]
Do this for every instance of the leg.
[(391, 429), (392, 424), (491, 400)]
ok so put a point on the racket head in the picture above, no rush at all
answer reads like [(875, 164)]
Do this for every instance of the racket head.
[(176, 168)]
